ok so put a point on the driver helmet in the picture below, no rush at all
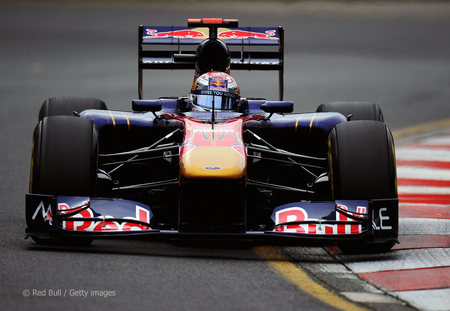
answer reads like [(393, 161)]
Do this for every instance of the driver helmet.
[(216, 90)]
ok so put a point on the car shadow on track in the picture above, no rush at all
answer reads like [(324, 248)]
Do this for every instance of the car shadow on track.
[(218, 249)]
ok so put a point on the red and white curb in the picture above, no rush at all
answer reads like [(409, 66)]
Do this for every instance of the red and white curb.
[(418, 269)]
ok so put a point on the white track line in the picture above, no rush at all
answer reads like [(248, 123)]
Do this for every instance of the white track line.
[(423, 190), (423, 225), (422, 154), (430, 300), (422, 173), (399, 260)]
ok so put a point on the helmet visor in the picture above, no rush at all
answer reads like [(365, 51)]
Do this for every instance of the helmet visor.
[(218, 100)]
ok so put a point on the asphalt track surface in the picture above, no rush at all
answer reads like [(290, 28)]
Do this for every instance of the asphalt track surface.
[(400, 61)]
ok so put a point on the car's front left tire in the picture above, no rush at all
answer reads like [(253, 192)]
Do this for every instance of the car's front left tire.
[(362, 167)]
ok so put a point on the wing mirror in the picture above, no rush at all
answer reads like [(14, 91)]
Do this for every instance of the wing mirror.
[(277, 107), (145, 105)]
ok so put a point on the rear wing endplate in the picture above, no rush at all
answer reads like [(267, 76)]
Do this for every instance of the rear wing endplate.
[(252, 48)]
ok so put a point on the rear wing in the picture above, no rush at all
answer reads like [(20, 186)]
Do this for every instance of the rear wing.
[(173, 47)]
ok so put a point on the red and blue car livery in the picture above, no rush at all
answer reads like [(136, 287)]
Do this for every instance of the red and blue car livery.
[(257, 171)]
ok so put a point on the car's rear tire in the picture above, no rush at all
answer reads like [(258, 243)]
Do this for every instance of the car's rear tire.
[(65, 106), (362, 167), (64, 157), (358, 110)]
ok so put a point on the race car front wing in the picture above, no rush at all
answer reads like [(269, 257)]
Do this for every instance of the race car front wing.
[(331, 221)]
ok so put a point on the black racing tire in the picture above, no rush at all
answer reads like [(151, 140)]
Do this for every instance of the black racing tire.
[(64, 157), (359, 110), (362, 161), (362, 166), (64, 106)]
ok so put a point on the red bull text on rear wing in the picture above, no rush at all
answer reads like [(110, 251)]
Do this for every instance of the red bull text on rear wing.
[(251, 48), (192, 36)]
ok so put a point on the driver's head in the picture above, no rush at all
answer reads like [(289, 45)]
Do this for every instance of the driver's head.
[(215, 89)]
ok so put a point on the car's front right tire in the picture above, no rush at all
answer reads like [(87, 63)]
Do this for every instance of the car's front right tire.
[(64, 162), (64, 157)]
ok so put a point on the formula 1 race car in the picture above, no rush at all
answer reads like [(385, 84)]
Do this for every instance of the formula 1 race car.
[(213, 164)]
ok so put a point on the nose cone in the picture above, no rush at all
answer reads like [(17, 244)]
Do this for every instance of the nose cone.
[(214, 151), (213, 163)]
